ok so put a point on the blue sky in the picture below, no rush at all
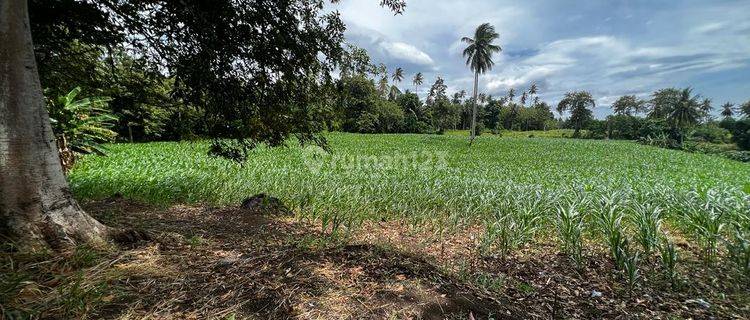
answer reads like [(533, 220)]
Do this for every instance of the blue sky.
[(609, 48)]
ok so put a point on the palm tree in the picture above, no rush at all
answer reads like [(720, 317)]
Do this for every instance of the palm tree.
[(705, 109), (418, 80), (398, 75), (532, 93), (727, 110), (580, 104), (523, 98), (745, 108), (686, 112), (533, 89), (511, 94), (478, 56)]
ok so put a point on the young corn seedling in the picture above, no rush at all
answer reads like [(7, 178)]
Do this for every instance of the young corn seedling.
[(569, 225), (647, 219), (609, 219), (738, 249), (668, 258), (631, 259), (707, 222)]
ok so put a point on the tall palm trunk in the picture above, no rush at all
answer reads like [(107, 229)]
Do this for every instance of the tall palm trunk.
[(37, 210), (474, 109)]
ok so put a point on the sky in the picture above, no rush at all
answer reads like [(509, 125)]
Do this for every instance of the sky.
[(609, 48)]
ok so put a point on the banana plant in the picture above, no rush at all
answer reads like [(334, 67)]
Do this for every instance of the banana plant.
[(81, 125)]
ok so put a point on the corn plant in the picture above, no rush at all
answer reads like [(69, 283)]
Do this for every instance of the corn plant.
[(668, 258), (738, 248), (569, 225), (647, 219), (706, 220), (609, 216), (470, 188), (630, 265), (510, 231)]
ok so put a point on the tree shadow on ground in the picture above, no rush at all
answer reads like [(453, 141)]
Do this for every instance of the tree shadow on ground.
[(217, 262)]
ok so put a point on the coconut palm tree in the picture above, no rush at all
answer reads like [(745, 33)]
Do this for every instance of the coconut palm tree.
[(686, 112), (533, 89), (532, 93), (705, 110), (478, 56), (727, 110), (418, 80), (398, 75), (745, 108), (511, 94)]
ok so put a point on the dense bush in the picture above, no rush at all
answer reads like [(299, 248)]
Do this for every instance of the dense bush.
[(741, 133), (710, 133)]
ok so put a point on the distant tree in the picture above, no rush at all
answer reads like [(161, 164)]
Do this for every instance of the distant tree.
[(383, 87), (355, 61), (727, 110), (745, 109), (482, 98), (417, 81), (456, 98), (398, 75), (705, 110), (662, 101), (492, 114), (382, 72), (685, 112), (524, 96), (511, 94), (478, 56), (579, 103), (628, 105), (533, 89), (394, 93), (438, 90)]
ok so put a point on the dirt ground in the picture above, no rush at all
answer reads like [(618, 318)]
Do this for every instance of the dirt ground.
[(228, 263)]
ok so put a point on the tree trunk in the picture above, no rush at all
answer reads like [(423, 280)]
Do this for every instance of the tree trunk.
[(37, 210), (474, 110)]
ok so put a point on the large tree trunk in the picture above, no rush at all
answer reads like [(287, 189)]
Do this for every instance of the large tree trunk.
[(474, 109), (37, 210)]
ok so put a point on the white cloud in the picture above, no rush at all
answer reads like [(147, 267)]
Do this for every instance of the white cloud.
[(608, 48), (406, 52)]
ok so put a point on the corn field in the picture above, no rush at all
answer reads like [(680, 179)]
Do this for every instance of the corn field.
[(627, 197)]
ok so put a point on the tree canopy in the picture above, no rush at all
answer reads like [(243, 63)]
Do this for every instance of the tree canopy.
[(258, 71)]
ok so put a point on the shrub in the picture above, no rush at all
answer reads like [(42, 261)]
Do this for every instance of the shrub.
[(741, 134), (710, 133)]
